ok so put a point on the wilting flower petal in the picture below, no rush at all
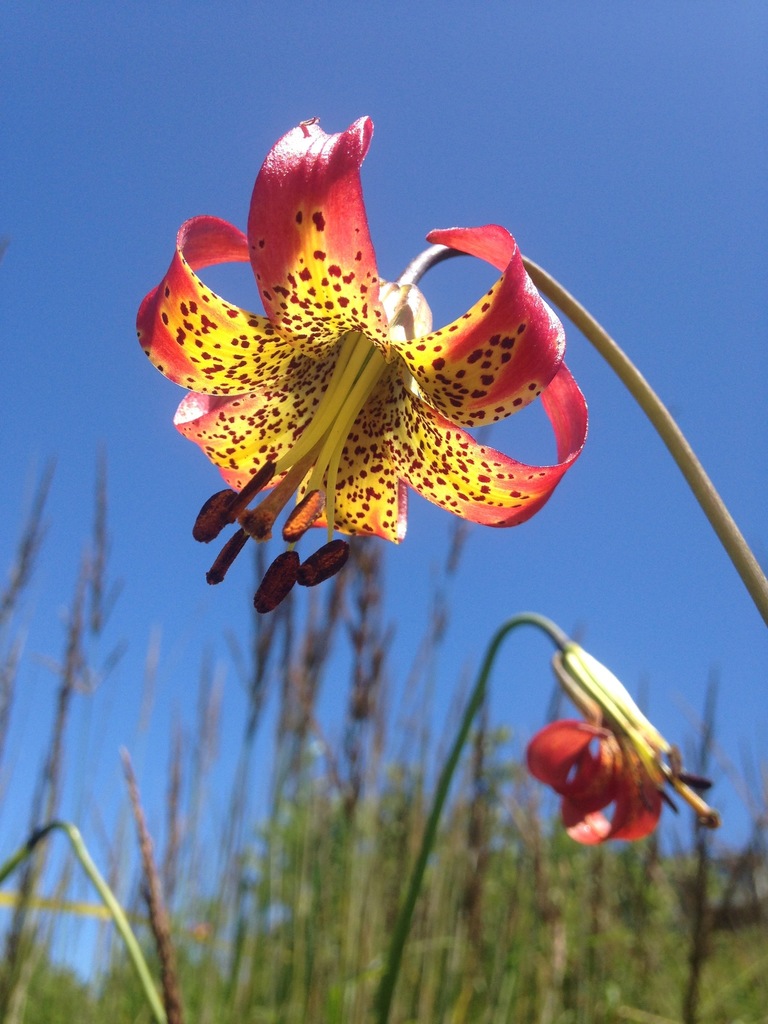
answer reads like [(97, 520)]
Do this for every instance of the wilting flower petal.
[(589, 780), (560, 754), (613, 760)]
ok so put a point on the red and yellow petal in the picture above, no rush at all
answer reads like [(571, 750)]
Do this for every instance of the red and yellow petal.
[(638, 803), (636, 808), (308, 235), (446, 466), (587, 829), (370, 495), (560, 755), (370, 500), (240, 433), (499, 356), (368, 504), (196, 338)]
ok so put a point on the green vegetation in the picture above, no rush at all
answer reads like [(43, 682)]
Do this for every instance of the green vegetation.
[(289, 919), (513, 924)]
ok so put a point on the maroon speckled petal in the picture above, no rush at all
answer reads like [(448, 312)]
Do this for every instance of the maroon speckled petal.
[(500, 355), (448, 467), (308, 235), (196, 338)]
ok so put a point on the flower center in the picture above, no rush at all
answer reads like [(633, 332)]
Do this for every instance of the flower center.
[(312, 464), (358, 368)]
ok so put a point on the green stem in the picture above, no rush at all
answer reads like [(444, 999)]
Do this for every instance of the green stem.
[(427, 259), (388, 981), (107, 896), (704, 490)]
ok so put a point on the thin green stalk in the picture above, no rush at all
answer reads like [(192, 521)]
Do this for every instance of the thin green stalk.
[(108, 897), (385, 992), (703, 489)]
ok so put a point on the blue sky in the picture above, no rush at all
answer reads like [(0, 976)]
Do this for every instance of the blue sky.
[(625, 148)]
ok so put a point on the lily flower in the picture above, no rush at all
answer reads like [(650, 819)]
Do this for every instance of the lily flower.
[(614, 757), (342, 394)]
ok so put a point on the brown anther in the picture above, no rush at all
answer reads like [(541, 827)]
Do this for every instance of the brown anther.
[(226, 557), (696, 781), (668, 800), (214, 516), (706, 815), (223, 507), (308, 511), (277, 583), (323, 564)]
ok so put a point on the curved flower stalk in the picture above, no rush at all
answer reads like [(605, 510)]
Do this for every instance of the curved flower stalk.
[(557, 757), (343, 394), (712, 505), (616, 756)]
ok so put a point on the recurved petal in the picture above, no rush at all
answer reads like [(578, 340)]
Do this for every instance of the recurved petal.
[(196, 338), (491, 243), (240, 433), (444, 464), (588, 829), (555, 749), (636, 812), (638, 806), (499, 356), (575, 759), (308, 235)]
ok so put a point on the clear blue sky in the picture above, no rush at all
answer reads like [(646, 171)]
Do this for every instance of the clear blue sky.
[(623, 145)]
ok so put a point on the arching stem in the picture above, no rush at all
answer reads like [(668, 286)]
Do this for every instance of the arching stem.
[(703, 489), (386, 987), (427, 259)]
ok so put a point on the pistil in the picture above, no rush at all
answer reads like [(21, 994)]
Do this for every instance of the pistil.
[(258, 522)]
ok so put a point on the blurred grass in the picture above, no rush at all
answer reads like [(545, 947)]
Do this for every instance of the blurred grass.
[(288, 919)]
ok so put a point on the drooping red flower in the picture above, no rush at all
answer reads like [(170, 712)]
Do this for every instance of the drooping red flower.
[(591, 770), (343, 386)]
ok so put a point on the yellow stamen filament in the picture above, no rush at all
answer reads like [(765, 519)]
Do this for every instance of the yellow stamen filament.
[(258, 522), (318, 450), (355, 349), (330, 455), (359, 366)]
